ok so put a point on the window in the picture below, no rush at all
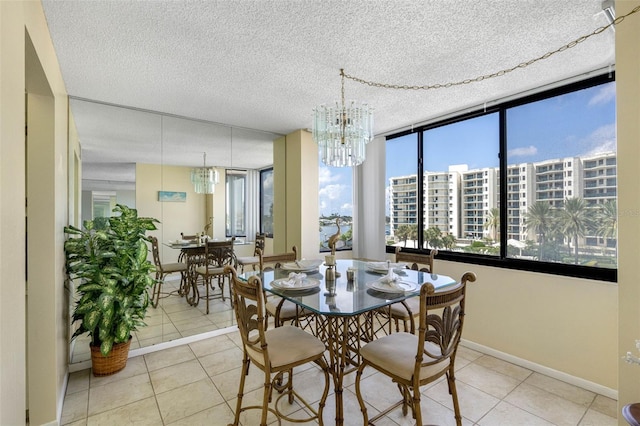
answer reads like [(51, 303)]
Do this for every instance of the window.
[(236, 184), (266, 202), (554, 224), (335, 200)]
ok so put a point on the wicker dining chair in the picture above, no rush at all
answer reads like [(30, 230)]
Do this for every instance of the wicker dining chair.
[(275, 352), (254, 260), (217, 255), (162, 270), (411, 360), (408, 310), (282, 310)]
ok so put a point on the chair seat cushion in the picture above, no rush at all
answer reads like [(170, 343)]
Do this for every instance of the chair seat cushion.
[(399, 311), (396, 353), (202, 270), (168, 268), (248, 260), (288, 346)]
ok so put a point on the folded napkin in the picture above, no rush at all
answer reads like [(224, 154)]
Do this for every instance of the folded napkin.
[(391, 279), (295, 280)]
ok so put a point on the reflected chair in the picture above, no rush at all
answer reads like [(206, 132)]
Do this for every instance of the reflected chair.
[(255, 259), (275, 352), (162, 270), (217, 255), (411, 360), (281, 309), (407, 310)]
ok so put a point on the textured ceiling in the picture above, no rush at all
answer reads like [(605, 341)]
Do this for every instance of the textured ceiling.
[(265, 64)]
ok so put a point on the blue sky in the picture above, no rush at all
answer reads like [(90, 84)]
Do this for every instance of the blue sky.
[(577, 124)]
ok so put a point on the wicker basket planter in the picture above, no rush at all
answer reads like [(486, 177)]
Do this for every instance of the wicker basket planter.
[(112, 363)]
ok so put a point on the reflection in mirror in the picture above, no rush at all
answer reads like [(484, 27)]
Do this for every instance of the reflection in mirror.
[(144, 159)]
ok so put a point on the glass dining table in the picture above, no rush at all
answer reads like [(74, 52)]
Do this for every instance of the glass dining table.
[(347, 313)]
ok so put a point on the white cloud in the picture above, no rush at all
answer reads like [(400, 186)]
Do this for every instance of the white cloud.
[(605, 94), (347, 208), (325, 176), (601, 140), (331, 192), (523, 152)]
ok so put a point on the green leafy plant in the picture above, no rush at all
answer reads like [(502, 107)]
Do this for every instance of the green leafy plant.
[(109, 260)]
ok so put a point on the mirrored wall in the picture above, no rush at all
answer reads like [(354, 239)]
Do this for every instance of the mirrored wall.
[(144, 159)]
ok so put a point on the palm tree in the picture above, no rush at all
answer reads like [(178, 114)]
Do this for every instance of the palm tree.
[(403, 233), (607, 222), (539, 218), (449, 241), (574, 221), (492, 222), (433, 237)]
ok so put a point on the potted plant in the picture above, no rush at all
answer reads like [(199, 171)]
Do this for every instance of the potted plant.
[(108, 258)]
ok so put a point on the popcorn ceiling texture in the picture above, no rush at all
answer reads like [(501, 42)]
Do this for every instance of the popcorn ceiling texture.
[(265, 64)]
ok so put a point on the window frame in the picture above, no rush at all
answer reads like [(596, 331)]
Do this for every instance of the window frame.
[(229, 208), (261, 203), (502, 261)]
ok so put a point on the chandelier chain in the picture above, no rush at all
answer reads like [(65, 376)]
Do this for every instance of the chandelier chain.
[(500, 73)]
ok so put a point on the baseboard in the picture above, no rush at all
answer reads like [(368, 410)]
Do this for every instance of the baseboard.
[(559, 375), (79, 366)]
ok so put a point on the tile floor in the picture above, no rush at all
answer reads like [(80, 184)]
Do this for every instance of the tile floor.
[(196, 384)]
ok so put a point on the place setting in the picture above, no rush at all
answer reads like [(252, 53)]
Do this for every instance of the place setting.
[(391, 283), (303, 265), (296, 282)]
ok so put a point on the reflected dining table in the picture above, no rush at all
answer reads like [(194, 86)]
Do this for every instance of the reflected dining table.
[(346, 314)]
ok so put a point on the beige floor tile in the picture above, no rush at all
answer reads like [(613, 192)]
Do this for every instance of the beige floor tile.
[(187, 314), (187, 400), (75, 407), (78, 381), (507, 414), (606, 406), (212, 345), (229, 381), (503, 367), (487, 380), (119, 393), (547, 405), (199, 330), (254, 398), (219, 362), (167, 357), (595, 418), (561, 389), (148, 332), (474, 404), (211, 416), (156, 316), (135, 366), (467, 353), (140, 413), (176, 376)]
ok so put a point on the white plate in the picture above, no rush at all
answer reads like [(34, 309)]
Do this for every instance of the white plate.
[(302, 265), (386, 288), (307, 283), (381, 267)]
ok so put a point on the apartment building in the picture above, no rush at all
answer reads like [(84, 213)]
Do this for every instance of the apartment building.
[(458, 201)]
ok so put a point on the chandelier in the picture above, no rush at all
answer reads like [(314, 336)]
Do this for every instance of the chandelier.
[(203, 178), (342, 132)]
